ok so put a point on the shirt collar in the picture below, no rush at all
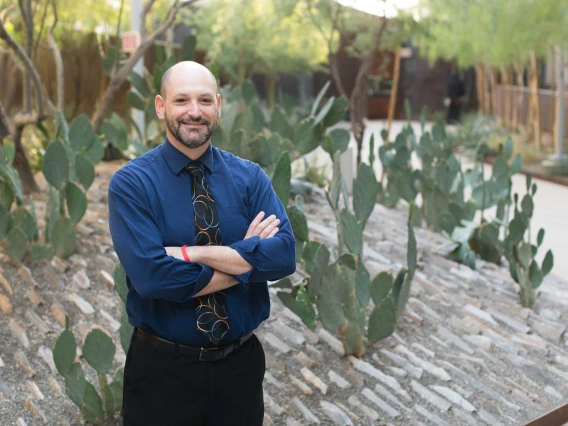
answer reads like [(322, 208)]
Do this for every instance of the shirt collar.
[(177, 160)]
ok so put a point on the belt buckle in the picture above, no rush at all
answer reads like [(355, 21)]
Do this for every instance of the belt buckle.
[(201, 355)]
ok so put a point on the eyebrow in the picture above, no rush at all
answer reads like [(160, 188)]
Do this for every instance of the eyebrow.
[(184, 95)]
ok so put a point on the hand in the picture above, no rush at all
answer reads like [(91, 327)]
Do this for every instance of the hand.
[(266, 228)]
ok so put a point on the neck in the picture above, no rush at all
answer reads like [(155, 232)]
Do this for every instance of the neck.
[(191, 153)]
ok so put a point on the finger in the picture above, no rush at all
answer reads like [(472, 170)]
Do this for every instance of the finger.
[(255, 223), (264, 224), (273, 233), (266, 232)]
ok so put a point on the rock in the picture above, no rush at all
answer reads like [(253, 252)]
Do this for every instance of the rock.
[(276, 343), (55, 386), (78, 261), (425, 309), (21, 422), (2, 362), (30, 405), (19, 333), (391, 382), (338, 380), (450, 337), (114, 324), (352, 415), (38, 322), (47, 355), (335, 413), (32, 387), (5, 390), (488, 418), (24, 364), (50, 275), (467, 324), (427, 366), (388, 395), (288, 333), (59, 264), (431, 397), (430, 416), (272, 406), (334, 343), (415, 372), (481, 314), (482, 342), (551, 314), (422, 349), (467, 418), (550, 331), (439, 342), (370, 395), (26, 275), (107, 278), (551, 391), (311, 336), (454, 397), (81, 280), (32, 295), (304, 388), (5, 284), (5, 304), (369, 412), (59, 313), (308, 415), (511, 322), (399, 372), (81, 303), (310, 377)]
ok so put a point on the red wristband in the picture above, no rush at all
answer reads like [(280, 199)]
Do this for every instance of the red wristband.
[(184, 253)]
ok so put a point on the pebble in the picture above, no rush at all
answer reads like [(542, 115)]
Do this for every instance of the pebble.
[(26, 275), (415, 372), (288, 333), (431, 397), (370, 395), (81, 303), (338, 380), (81, 280), (467, 418), (114, 324), (511, 322), (34, 390), (32, 295), (427, 366), (5, 390), (336, 414), (422, 349), (2, 362), (454, 397), (455, 340), (30, 405), (107, 278), (399, 372), (352, 415), (47, 355), (308, 415), (5, 304), (488, 418), (59, 313), (21, 422), (551, 314), (468, 324), (6, 285), (19, 333), (332, 341), (482, 342), (276, 343), (549, 331), (38, 322), (272, 406), (59, 264), (391, 382), (22, 361), (389, 396), (311, 336), (425, 309), (310, 377), (430, 416), (304, 388), (273, 381), (53, 384), (50, 275), (369, 412), (551, 391), (78, 260)]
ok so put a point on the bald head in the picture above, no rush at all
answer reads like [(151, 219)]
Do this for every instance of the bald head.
[(187, 72)]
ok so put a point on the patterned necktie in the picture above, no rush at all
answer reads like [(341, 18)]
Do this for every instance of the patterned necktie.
[(212, 318)]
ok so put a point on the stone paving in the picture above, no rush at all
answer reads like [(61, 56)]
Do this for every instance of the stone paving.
[(464, 353)]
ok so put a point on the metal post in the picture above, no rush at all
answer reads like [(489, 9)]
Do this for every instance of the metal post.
[(135, 17)]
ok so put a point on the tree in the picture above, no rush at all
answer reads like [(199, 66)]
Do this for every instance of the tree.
[(258, 37)]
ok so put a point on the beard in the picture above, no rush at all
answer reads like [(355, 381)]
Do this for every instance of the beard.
[(191, 138)]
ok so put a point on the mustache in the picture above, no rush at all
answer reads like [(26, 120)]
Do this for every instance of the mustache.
[(194, 122)]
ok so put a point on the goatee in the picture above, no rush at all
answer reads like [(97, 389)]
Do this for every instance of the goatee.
[(191, 138)]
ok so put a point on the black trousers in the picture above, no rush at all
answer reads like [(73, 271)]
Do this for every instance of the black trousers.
[(161, 389)]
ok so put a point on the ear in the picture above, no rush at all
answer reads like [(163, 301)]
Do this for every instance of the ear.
[(219, 105), (160, 105)]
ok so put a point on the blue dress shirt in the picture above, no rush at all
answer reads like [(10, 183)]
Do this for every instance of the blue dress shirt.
[(150, 208)]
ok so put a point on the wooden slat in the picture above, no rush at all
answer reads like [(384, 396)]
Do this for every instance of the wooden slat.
[(556, 417)]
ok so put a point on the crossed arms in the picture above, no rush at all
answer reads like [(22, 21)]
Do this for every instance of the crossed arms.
[(226, 261)]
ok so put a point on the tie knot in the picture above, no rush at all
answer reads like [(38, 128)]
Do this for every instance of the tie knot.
[(195, 169)]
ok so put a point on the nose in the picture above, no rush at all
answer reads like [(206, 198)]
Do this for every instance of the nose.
[(193, 110)]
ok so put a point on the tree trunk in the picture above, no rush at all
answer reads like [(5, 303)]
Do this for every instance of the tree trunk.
[(506, 94), (519, 98), (4, 124), (394, 93), (536, 101), (270, 86), (22, 165), (479, 87), (493, 76)]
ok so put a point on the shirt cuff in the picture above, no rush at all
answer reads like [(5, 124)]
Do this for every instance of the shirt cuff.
[(203, 279), (243, 279), (246, 249)]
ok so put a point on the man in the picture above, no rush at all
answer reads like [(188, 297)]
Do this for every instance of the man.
[(199, 232)]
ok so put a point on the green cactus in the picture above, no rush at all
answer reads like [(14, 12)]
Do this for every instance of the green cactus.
[(16, 245), (98, 351), (92, 408)]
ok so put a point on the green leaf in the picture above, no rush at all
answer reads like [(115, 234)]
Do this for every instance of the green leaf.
[(319, 97), (99, 350), (93, 408), (63, 237), (324, 111), (336, 112), (4, 221), (351, 232), (125, 331), (81, 135), (446, 222), (24, 220), (109, 60), (62, 131), (249, 92), (299, 223), (339, 141), (403, 295), (9, 151), (135, 101), (381, 286), (535, 275), (527, 205), (96, 152), (320, 265), (139, 83), (119, 276), (285, 283), (55, 164), (117, 386), (508, 148), (64, 352), (412, 249), (309, 255), (517, 164), (348, 260), (305, 309), (287, 299), (75, 384), (363, 285), (540, 237), (332, 194), (547, 263), (85, 171), (187, 52), (398, 283), (382, 321), (16, 245), (525, 255), (304, 136), (41, 252), (6, 194), (76, 202), (365, 191), (281, 178)]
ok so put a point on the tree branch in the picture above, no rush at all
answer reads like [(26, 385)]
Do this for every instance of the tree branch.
[(58, 61), (29, 66), (5, 128), (38, 38), (143, 14)]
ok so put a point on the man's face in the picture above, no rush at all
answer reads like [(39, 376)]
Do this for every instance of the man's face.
[(191, 109)]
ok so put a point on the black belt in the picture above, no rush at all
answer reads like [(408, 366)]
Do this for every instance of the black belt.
[(201, 354)]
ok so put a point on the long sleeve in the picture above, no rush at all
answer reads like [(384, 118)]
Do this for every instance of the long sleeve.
[(140, 247), (271, 258)]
